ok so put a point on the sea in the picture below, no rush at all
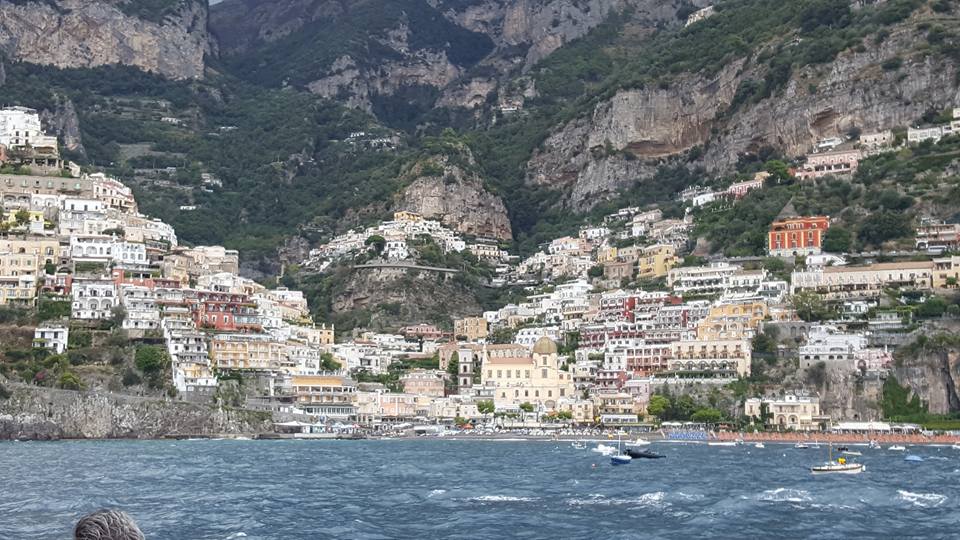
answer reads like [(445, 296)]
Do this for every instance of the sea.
[(437, 488)]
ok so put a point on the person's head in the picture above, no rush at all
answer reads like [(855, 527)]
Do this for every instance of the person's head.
[(107, 525)]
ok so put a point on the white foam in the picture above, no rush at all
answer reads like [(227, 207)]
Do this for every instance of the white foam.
[(501, 498), (436, 492), (785, 495), (923, 500), (237, 535), (647, 499)]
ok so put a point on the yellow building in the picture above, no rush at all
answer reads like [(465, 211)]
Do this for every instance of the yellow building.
[(606, 254), (656, 261), (247, 352), (472, 328), (329, 396), (405, 215), (735, 320), (801, 413), (18, 290), (946, 272), (46, 249), (535, 379), (18, 264)]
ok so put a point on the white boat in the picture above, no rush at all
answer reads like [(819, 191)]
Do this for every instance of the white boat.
[(605, 449), (759, 445), (801, 446), (722, 443), (579, 445), (638, 442), (955, 446), (839, 466), (897, 448), (622, 459), (874, 445)]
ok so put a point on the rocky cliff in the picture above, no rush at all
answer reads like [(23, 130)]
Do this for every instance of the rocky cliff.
[(86, 34), (446, 190), (623, 138), (30, 412), (931, 368)]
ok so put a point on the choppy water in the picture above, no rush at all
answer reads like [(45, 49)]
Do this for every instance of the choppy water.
[(469, 489)]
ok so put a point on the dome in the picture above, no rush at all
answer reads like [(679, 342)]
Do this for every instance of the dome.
[(545, 345)]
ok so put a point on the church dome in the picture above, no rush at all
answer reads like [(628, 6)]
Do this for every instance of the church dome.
[(545, 345)]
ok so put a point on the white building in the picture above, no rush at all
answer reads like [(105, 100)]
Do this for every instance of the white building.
[(529, 337), (140, 304), (93, 298), (695, 280), (54, 338), (20, 127), (834, 348)]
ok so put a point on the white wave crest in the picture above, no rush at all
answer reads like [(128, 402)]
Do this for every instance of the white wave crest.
[(647, 499), (435, 492), (923, 500), (785, 495), (501, 498)]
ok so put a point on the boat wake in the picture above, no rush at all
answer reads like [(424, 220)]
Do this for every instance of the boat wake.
[(923, 500), (501, 498), (655, 499), (785, 495)]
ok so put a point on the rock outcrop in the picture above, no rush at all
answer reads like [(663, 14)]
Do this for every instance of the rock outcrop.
[(63, 121), (87, 34), (451, 193), (932, 371), (594, 156), (31, 412)]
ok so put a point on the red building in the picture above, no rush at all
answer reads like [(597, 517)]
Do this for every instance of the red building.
[(225, 311), (800, 235)]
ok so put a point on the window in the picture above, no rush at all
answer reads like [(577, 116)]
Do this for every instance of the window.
[(543, 373)]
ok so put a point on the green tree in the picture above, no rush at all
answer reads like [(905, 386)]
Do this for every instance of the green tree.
[(503, 335), (526, 407), (658, 406), (779, 171), (329, 363), (453, 366), (883, 226), (707, 416), (22, 217), (69, 381), (933, 307), (378, 242), (150, 359), (896, 400), (486, 406), (810, 306), (837, 240), (595, 271)]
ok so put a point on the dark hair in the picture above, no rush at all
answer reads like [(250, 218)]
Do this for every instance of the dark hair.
[(107, 524)]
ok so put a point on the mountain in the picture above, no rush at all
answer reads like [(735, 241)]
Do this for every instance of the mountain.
[(168, 37)]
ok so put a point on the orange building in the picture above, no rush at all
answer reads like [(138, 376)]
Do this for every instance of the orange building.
[(800, 235)]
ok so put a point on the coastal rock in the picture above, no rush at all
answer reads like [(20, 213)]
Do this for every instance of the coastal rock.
[(596, 155), (63, 121), (453, 194), (87, 34), (32, 412), (932, 371)]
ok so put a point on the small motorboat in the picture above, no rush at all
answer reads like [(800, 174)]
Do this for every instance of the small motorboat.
[(636, 443), (722, 443), (955, 446), (874, 445), (643, 454), (835, 467), (605, 449), (897, 448), (913, 458), (759, 445), (801, 446), (622, 459)]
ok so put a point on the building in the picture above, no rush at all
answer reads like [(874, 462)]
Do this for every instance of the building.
[(946, 272), (471, 328), (837, 350), (738, 189), (656, 261), (879, 139), (799, 413), (225, 311), (247, 352), (709, 359), (330, 397), (834, 162), (20, 128), (845, 282), (938, 235), (423, 382), (421, 331), (920, 134), (532, 378), (54, 338), (93, 298), (797, 235), (699, 280), (700, 15)]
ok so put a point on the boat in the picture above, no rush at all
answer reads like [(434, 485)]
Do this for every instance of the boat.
[(759, 445), (897, 448), (638, 442), (579, 445), (843, 449), (722, 443), (605, 449), (620, 458), (874, 445), (955, 446), (643, 454), (913, 457), (838, 466), (801, 445)]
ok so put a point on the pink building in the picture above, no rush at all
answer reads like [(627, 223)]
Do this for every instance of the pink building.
[(836, 162)]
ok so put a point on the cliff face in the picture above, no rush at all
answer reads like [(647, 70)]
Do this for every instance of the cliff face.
[(654, 123), (444, 191), (933, 372), (43, 413), (86, 34), (392, 297)]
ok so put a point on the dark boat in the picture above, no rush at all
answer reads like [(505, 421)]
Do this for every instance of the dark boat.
[(643, 454)]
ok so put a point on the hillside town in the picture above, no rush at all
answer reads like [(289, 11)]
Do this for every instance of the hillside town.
[(611, 317)]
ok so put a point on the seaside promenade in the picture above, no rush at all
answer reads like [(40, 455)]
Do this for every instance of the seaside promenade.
[(847, 438)]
